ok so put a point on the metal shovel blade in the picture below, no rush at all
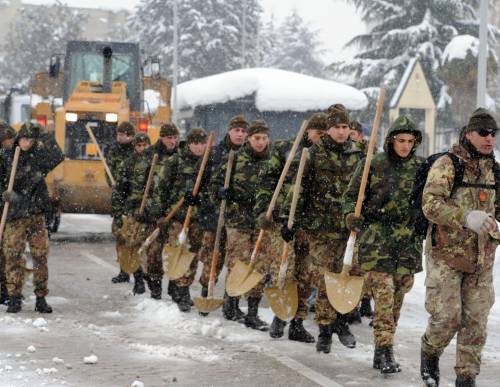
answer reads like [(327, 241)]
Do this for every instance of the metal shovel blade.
[(284, 302), (242, 279), (178, 260), (207, 305), (129, 259), (344, 291)]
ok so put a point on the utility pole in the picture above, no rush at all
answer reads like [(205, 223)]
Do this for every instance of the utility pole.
[(175, 62), (244, 35), (482, 55)]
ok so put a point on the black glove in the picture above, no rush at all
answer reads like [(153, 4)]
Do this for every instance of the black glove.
[(223, 193), (354, 223), (141, 218), (264, 223), (192, 200), (287, 234)]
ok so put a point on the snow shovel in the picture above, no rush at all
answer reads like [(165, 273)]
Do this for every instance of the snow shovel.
[(242, 276), (179, 257), (101, 156), (130, 259), (344, 290), (10, 187), (209, 304), (284, 299)]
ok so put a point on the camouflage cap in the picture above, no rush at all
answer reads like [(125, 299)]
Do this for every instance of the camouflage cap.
[(168, 130), (238, 121), (481, 119), (356, 125), (196, 135), (337, 117), (258, 126), (318, 121), (335, 108), (404, 124), (6, 131), (29, 130), (126, 127), (141, 137)]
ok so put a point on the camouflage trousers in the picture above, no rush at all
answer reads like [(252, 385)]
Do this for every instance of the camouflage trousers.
[(327, 252), (458, 303), (388, 291), (34, 231), (195, 236), (206, 252), (298, 266), (151, 261), (119, 240), (240, 245)]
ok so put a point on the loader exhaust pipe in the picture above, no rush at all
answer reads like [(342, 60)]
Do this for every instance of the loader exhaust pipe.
[(107, 54)]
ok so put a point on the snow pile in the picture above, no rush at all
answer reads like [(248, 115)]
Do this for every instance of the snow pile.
[(109, 314), (275, 90), (200, 353), (459, 46), (137, 383), (92, 359), (40, 323), (31, 349)]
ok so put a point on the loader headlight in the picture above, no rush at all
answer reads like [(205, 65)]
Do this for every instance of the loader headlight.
[(111, 117), (71, 117)]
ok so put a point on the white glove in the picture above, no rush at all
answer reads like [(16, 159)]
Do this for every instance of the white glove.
[(480, 222)]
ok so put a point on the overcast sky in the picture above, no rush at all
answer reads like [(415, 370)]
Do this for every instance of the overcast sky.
[(335, 20)]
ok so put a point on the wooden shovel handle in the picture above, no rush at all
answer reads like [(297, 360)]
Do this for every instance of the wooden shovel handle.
[(148, 183), (101, 156), (171, 213), (369, 153), (220, 224), (10, 186)]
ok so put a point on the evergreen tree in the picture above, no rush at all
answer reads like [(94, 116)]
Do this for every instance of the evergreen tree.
[(402, 30), (36, 34)]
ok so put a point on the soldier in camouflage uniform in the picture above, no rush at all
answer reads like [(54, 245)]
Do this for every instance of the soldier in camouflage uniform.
[(177, 180), (460, 251), (389, 251), (7, 137), (358, 137), (26, 219), (328, 169), (240, 220), (209, 211), (115, 157), (299, 265)]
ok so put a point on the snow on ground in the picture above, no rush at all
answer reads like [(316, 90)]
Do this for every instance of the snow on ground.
[(275, 90)]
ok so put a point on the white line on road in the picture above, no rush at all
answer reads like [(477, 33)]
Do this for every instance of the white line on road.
[(99, 261), (305, 371)]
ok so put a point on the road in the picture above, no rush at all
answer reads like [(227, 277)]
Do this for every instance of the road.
[(139, 340)]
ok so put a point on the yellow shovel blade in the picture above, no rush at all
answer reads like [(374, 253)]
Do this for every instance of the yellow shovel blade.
[(344, 291), (242, 279), (178, 260), (284, 302), (129, 259), (207, 305)]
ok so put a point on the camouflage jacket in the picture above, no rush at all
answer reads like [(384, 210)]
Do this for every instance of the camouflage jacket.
[(176, 177), (29, 184), (327, 172), (115, 157), (243, 187), (449, 240), (387, 242), (163, 153)]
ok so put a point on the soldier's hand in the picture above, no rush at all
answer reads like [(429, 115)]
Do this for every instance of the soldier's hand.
[(264, 223), (10, 197), (287, 234), (140, 217), (480, 222), (354, 223), (192, 200)]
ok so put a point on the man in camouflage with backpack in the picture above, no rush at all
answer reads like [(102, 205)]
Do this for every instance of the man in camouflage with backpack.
[(460, 250)]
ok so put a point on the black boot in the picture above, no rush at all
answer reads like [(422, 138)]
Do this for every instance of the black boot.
[(429, 369), (15, 305), (139, 287), (353, 317), (4, 294), (365, 310), (297, 332), (340, 327), (155, 288), (238, 313), (184, 298), (324, 343), (378, 358), (252, 319), (465, 381), (231, 310), (121, 277), (170, 287), (277, 328), (204, 294), (389, 364), (41, 306)]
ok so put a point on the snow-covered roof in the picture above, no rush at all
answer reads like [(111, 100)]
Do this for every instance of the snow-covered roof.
[(459, 46), (402, 84), (275, 90), (109, 5)]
